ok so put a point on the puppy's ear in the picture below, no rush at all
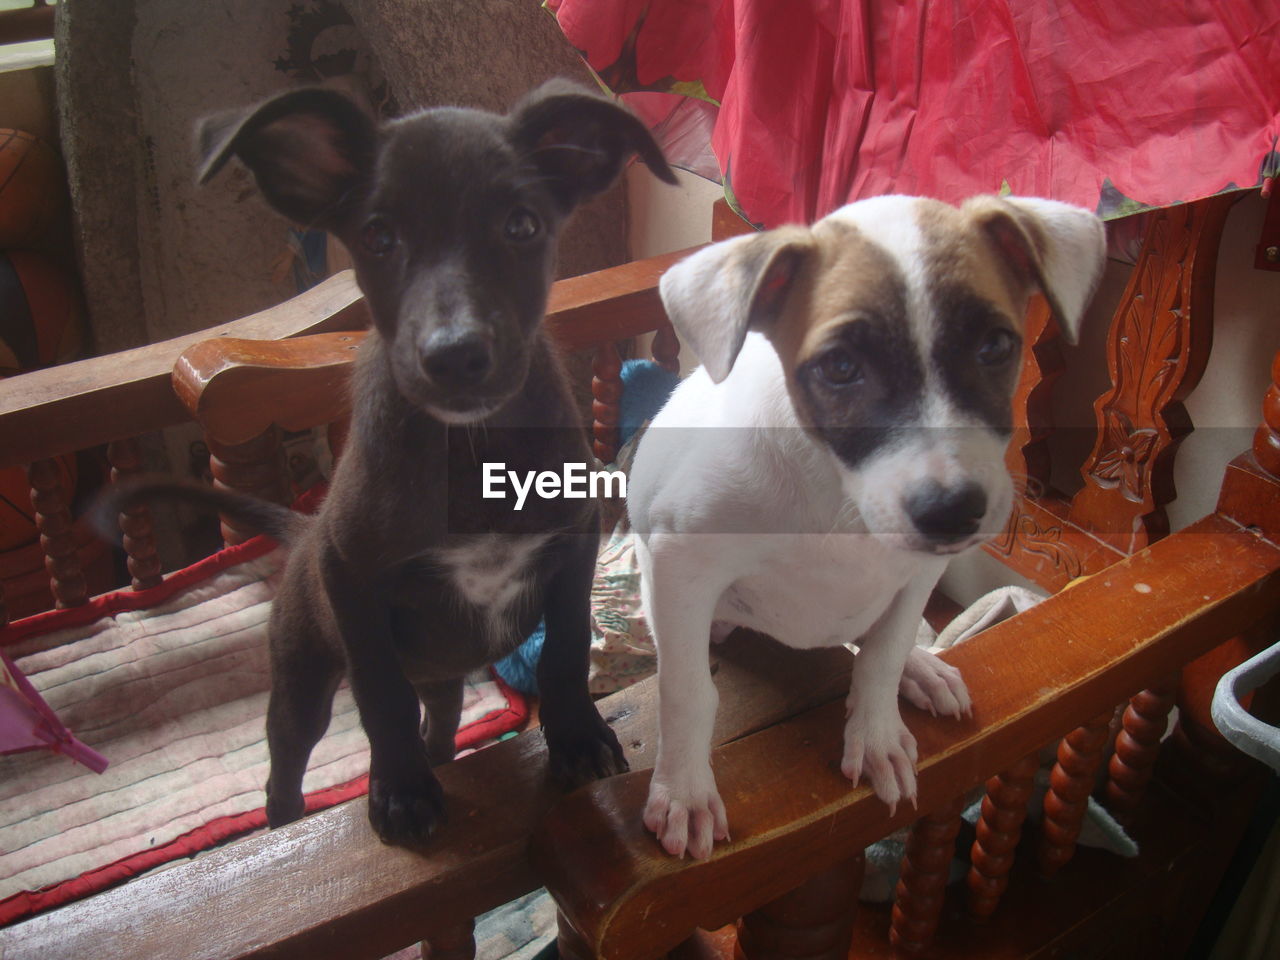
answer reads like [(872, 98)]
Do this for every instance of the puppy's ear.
[(311, 151), (579, 141), (1054, 247), (715, 296)]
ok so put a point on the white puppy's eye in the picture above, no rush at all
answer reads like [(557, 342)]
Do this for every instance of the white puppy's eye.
[(839, 368), (377, 237), (522, 225), (998, 347)]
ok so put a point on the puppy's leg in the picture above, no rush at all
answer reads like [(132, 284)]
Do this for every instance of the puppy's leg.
[(442, 705), (934, 685), (876, 741), (684, 808), (304, 676), (405, 799), (580, 745)]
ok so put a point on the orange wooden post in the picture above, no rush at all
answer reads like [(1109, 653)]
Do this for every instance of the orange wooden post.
[(125, 457), (606, 392), (814, 921), (255, 467), (53, 519), (917, 904), (999, 828), (453, 943), (1137, 745), (666, 349), (1070, 784)]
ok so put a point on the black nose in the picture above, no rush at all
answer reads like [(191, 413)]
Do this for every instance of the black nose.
[(946, 514), (456, 361)]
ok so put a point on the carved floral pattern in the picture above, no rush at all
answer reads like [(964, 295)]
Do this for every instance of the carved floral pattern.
[(1127, 456)]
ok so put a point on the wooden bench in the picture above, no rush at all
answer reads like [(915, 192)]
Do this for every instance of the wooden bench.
[(325, 887)]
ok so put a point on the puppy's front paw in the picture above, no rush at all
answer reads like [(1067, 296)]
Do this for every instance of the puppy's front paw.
[(883, 748), (686, 813), (931, 684), (405, 810), (283, 807), (580, 753)]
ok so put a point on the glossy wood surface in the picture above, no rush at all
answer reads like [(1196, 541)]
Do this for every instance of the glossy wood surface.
[(630, 900), (79, 405)]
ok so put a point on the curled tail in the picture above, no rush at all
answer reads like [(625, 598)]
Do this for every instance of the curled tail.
[(274, 520)]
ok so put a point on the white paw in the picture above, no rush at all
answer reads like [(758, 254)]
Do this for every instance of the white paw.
[(883, 748), (934, 685), (686, 814)]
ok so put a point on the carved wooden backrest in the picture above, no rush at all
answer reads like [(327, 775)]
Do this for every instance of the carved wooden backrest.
[(1157, 350)]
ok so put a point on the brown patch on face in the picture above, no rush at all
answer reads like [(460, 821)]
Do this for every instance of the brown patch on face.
[(959, 255), (850, 277), (978, 300)]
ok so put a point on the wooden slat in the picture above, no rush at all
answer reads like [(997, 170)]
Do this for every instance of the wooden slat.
[(793, 814), (609, 305), (78, 405), (324, 887), (237, 388)]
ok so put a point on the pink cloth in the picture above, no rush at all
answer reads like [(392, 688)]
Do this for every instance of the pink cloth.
[(1115, 107)]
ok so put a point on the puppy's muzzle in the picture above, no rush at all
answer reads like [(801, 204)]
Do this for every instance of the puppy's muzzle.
[(454, 361), (946, 515)]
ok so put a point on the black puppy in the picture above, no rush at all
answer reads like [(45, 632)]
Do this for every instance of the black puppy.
[(408, 578)]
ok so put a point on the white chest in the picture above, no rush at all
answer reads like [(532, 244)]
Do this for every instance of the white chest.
[(492, 572), (814, 591)]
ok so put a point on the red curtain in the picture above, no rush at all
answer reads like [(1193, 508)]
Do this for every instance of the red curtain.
[(809, 104)]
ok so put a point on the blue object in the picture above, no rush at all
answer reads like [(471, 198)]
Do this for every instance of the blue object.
[(645, 388)]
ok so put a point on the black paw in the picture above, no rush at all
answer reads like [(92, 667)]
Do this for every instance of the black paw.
[(584, 752), (405, 811), (283, 808)]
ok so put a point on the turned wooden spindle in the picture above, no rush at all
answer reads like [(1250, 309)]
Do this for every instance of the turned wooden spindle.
[(926, 866), (1137, 745), (666, 349), (53, 519), (1266, 440), (255, 467), (814, 921), (606, 392), (999, 828), (454, 943), (143, 560), (1070, 783), (570, 944)]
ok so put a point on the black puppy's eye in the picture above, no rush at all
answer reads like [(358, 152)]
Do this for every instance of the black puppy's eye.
[(998, 347), (377, 237), (522, 225), (839, 368)]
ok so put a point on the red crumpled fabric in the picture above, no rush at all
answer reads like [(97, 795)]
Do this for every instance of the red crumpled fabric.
[(1113, 106)]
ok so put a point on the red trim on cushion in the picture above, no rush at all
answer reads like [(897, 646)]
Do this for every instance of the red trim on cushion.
[(495, 724), (122, 601), (19, 906)]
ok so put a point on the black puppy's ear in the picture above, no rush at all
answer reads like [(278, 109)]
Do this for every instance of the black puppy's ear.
[(579, 141), (310, 151)]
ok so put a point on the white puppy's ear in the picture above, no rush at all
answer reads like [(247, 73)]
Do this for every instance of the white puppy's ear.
[(1055, 247), (715, 296)]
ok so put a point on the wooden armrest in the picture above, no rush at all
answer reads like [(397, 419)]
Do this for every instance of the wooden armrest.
[(326, 887), (794, 815), (79, 405), (236, 388)]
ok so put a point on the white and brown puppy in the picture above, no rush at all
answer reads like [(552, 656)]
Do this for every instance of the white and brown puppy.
[(844, 438)]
